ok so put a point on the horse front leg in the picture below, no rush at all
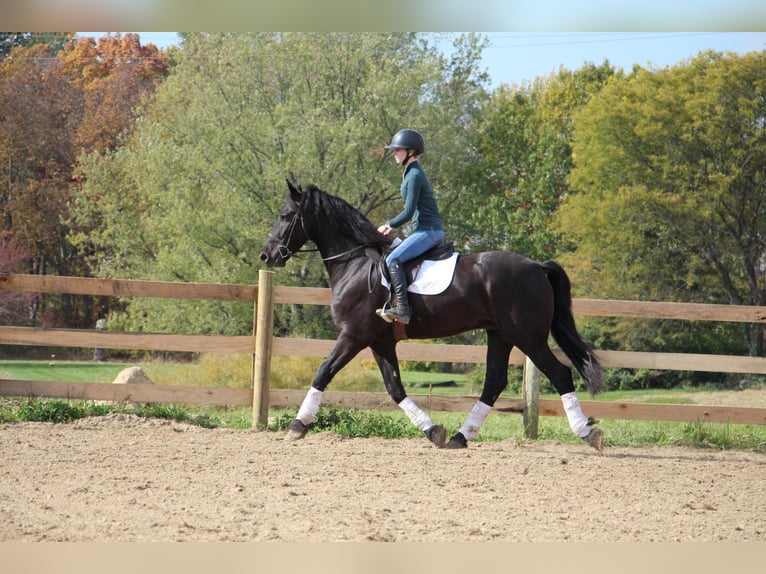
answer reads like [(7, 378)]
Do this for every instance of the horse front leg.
[(388, 363), (495, 382), (345, 349)]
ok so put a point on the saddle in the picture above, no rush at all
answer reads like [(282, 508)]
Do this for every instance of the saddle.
[(442, 252), (411, 267)]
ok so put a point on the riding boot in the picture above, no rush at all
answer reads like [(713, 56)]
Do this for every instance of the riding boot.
[(401, 312)]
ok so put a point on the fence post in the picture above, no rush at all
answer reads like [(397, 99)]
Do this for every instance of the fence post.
[(530, 394), (264, 328)]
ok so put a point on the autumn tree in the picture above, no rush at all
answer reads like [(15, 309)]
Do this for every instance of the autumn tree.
[(39, 111), (115, 73), (670, 180), (55, 107), (16, 308)]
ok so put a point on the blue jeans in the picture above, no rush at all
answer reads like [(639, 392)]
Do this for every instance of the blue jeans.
[(416, 244)]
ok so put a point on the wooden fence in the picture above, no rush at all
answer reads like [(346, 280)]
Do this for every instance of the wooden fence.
[(261, 345)]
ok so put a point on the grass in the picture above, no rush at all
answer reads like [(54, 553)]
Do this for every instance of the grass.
[(71, 372), (348, 422), (394, 424), (80, 371), (16, 410)]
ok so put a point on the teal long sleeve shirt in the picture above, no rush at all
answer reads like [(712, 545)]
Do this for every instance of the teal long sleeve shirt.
[(419, 201)]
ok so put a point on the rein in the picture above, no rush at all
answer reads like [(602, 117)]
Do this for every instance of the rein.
[(340, 254)]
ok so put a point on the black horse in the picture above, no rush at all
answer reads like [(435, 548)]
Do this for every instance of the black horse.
[(518, 301)]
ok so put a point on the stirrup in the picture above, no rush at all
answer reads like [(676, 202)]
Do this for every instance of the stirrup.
[(383, 314)]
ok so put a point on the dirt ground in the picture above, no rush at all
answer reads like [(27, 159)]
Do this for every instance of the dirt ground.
[(120, 478)]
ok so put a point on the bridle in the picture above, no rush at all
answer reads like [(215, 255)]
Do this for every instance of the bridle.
[(285, 251)]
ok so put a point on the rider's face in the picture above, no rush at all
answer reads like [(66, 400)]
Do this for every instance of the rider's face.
[(399, 155)]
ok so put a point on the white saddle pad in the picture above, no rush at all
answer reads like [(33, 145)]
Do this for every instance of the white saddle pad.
[(433, 276)]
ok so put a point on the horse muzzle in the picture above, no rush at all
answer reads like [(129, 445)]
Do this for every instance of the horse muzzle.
[(275, 254), (272, 260)]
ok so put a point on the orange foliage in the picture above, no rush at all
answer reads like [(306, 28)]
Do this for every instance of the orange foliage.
[(115, 72), (53, 107), (39, 110)]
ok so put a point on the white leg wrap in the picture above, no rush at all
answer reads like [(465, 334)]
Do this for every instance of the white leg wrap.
[(578, 422), (417, 415), (471, 426), (309, 407)]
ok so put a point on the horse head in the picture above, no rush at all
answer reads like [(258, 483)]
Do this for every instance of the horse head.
[(288, 234)]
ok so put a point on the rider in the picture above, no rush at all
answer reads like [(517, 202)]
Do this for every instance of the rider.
[(420, 207)]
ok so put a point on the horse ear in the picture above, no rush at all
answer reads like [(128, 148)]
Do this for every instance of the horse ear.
[(295, 193)]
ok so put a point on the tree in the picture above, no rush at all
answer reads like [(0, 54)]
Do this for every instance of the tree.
[(115, 73), (54, 40), (670, 185), (53, 108), (15, 308), (194, 194), (39, 109), (523, 141)]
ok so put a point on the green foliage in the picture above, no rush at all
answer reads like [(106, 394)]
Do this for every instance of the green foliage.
[(55, 411), (55, 40), (176, 413), (354, 423), (193, 195), (699, 435), (62, 411), (182, 315), (523, 142), (669, 179)]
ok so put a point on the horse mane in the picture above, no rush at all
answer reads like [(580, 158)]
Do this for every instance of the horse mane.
[(345, 218)]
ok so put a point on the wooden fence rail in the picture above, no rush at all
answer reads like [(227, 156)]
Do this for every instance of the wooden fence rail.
[(262, 347)]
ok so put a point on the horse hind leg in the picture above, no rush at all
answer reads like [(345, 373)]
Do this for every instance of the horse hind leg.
[(561, 377), (584, 427)]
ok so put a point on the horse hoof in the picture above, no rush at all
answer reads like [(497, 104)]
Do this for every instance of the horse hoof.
[(595, 438), (457, 441), (437, 434), (297, 430)]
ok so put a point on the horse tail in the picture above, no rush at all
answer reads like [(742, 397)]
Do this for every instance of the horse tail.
[(565, 332)]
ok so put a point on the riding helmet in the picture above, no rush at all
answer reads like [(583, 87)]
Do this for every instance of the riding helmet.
[(408, 139)]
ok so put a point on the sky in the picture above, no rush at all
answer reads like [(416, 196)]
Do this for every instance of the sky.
[(386, 16), (519, 57)]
